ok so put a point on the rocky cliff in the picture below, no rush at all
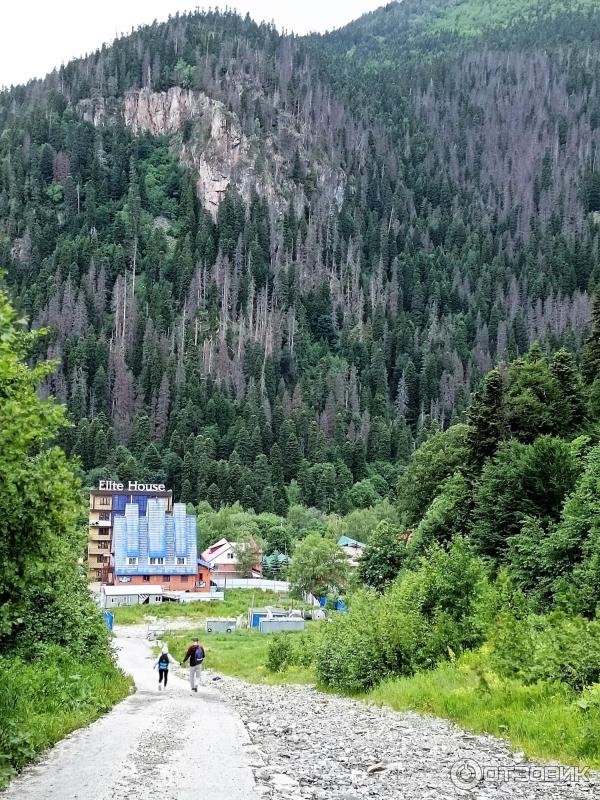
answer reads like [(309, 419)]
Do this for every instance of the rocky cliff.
[(209, 139)]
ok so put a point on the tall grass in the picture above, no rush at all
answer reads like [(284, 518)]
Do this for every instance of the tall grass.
[(544, 719), (41, 701)]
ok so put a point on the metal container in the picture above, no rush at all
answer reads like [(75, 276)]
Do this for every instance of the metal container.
[(220, 626), (281, 625)]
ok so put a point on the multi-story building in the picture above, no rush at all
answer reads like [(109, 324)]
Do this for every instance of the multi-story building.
[(108, 503), (155, 547)]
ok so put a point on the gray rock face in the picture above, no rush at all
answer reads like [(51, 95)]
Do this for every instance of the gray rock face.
[(311, 746), (215, 148)]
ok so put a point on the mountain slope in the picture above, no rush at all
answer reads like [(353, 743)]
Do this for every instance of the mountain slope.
[(266, 259)]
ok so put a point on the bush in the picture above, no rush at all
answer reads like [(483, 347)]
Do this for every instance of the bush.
[(292, 650), (547, 648), (280, 652), (443, 606)]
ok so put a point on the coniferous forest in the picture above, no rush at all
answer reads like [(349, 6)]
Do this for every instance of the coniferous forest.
[(344, 283), (270, 266)]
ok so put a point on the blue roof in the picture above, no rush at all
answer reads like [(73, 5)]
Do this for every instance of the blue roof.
[(203, 563), (346, 541), (169, 540)]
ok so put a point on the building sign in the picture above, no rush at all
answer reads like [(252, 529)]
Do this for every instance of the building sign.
[(132, 486)]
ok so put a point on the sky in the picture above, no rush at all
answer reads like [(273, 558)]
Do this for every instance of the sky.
[(38, 35)]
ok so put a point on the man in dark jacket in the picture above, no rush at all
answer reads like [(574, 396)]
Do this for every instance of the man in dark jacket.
[(195, 655)]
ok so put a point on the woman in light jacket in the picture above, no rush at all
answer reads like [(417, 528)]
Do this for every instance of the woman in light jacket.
[(163, 662)]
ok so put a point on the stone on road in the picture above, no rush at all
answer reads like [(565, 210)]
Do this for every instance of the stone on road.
[(314, 746), (172, 745)]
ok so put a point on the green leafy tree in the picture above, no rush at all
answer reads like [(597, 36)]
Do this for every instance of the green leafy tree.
[(523, 480), (248, 552), (447, 516), (43, 595), (383, 557), (318, 566), (437, 459)]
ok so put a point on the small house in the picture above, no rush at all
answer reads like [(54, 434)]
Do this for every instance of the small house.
[(352, 549), (222, 559)]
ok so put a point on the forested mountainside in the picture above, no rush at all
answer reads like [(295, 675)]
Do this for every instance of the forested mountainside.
[(265, 259)]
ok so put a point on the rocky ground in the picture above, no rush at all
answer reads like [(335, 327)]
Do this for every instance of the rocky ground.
[(311, 746)]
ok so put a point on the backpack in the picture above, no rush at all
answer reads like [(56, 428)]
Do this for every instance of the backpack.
[(198, 655), (163, 661)]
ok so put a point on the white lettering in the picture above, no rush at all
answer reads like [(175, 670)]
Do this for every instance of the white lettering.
[(110, 486), (133, 486)]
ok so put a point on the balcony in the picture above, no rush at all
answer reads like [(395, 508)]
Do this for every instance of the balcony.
[(98, 506), (100, 523), (94, 550)]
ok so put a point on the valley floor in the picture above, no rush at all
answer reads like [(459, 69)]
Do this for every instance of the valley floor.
[(240, 741)]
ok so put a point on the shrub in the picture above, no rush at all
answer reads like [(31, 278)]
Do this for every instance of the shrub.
[(547, 648), (280, 653), (444, 606)]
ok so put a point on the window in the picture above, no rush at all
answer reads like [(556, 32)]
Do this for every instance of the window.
[(100, 559), (131, 561), (104, 516), (103, 545), (146, 578), (105, 501), (230, 554), (154, 560), (166, 579), (184, 578), (200, 584), (180, 560)]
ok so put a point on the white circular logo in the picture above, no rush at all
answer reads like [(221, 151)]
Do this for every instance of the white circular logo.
[(465, 773)]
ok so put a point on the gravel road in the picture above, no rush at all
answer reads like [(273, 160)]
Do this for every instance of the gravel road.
[(171, 745), (314, 746)]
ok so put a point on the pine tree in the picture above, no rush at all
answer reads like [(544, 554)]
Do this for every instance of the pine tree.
[(487, 420), (590, 355)]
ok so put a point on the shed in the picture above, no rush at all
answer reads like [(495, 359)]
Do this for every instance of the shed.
[(220, 625), (281, 625), (256, 614), (131, 595)]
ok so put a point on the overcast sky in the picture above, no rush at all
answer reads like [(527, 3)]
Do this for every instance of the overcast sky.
[(38, 35)]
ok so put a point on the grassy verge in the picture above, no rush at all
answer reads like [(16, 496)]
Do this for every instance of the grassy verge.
[(240, 655), (543, 720), (43, 701), (236, 602)]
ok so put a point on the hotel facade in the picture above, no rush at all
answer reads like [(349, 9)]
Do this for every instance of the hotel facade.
[(107, 503), (159, 548)]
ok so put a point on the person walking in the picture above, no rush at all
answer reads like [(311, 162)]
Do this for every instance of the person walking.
[(163, 663), (195, 655)]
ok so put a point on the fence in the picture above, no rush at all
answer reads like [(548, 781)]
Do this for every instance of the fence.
[(252, 583)]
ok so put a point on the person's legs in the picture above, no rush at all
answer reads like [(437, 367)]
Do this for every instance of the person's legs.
[(166, 677), (195, 677), (162, 676)]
